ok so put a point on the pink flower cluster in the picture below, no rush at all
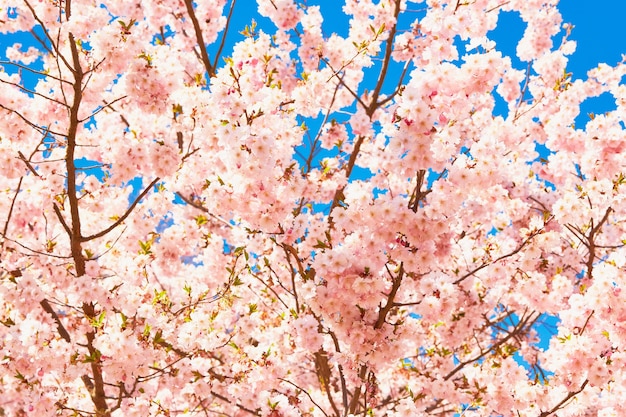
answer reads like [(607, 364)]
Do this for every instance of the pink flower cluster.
[(306, 223)]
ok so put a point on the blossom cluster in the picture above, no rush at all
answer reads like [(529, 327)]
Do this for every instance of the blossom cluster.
[(304, 223)]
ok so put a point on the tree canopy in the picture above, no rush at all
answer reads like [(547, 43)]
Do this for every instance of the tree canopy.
[(311, 224)]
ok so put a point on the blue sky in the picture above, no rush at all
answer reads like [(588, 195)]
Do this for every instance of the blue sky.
[(599, 28), (599, 31), (600, 34)]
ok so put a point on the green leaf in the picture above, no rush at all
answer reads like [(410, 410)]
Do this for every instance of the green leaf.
[(321, 245), (93, 357), (160, 297), (124, 321), (249, 30), (99, 321), (159, 341), (145, 247)]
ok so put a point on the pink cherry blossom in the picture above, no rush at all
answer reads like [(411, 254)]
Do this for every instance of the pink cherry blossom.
[(291, 220)]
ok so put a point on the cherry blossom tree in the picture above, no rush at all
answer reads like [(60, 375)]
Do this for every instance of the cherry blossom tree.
[(312, 225)]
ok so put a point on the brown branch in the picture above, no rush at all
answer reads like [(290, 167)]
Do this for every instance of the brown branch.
[(124, 216), (309, 160), (42, 44), (224, 34), (383, 72), (382, 314), (413, 303), (417, 196), (202, 208), (497, 7), (508, 255), (569, 396), (241, 407), (290, 250), (348, 168), (98, 394), (124, 120), (579, 330), (592, 246), (523, 323), (18, 188), (38, 252), (199, 39), (29, 123), (95, 387), (45, 31), (354, 403), (342, 378), (398, 87), (60, 328), (13, 200), (102, 108), (27, 162), (272, 290), (33, 92), (307, 394), (33, 71), (57, 211), (75, 236), (323, 373), (45, 304), (373, 106)]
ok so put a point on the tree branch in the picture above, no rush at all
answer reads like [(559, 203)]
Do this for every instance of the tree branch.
[(125, 215), (382, 314), (569, 396), (199, 39)]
